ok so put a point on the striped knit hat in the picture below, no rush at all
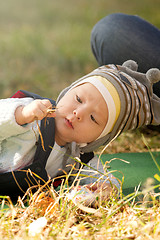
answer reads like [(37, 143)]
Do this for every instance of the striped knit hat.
[(129, 97)]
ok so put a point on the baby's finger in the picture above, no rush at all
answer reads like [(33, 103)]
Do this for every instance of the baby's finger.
[(46, 103), (39, 114), (51, 114), (42, 107)]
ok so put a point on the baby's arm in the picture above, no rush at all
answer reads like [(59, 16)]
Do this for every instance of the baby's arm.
[(36, 110)]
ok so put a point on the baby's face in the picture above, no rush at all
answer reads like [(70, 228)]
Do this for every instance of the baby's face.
[(81, 115)]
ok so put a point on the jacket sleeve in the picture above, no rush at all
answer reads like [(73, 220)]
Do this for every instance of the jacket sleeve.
[(8, 125), (17, 143)]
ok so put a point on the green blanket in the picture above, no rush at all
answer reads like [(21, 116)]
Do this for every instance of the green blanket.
[(140, 167)]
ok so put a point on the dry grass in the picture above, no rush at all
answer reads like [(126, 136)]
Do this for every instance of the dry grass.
[(47, 215)]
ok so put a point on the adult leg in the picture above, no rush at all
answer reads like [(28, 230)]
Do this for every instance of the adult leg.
[(119, 37)]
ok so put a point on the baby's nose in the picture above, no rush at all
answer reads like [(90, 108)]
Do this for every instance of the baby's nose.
[(78, 113)]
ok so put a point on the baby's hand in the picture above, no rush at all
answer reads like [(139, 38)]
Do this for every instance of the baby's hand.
[(105, 190), (92, 194), (36, 110)]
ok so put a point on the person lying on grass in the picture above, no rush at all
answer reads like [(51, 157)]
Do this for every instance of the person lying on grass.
[(90, 113)]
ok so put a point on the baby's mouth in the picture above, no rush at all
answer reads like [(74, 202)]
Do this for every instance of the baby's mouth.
[(69, 123)]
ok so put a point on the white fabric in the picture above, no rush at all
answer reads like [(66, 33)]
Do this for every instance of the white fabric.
[(54, 162), (17, 143)]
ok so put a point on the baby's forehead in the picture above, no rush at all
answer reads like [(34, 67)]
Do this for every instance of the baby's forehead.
[(87, 89), (84, 89), (81, 85)]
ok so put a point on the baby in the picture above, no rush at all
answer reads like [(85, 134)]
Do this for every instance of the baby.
[(91, 112)]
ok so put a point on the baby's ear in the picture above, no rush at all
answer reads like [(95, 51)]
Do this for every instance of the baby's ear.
[(153, 75), (131, 65)]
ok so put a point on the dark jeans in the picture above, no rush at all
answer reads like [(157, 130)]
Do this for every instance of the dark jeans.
[(119, 37)]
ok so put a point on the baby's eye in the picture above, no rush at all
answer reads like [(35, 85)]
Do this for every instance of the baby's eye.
[(78, 99), (93, 119)]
